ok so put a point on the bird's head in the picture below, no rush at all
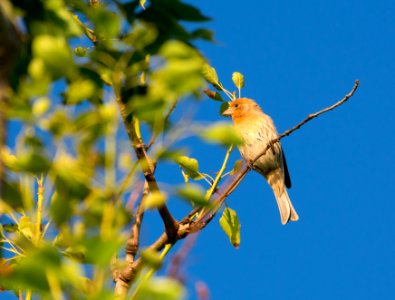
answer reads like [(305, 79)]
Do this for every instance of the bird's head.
[(242, 108)]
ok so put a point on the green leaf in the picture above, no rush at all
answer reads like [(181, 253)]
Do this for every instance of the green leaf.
[(179, 10), (221, 133), (31, 270), (224, 106), (190, 166), (11, 194), (161, 288), (193, 193), (33, 162), (142, 34), (151, 258), (238, 79), (80, 51), (41, 106), (213, 95), (210, 74), (80, 90), (72, 178), (107, 23), (61, 209), (26, 227), (204, 34), (55, 53), (231, 225), (99, 251), (154, 199)]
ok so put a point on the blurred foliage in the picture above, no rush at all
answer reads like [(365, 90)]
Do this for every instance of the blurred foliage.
[(78, 62)]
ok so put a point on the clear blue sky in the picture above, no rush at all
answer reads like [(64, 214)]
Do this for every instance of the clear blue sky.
[(299, 57)]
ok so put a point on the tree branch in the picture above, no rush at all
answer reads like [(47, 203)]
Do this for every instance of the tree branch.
[(208, 216), (155, 135), (121, 279), (188, 225), (148, 169)]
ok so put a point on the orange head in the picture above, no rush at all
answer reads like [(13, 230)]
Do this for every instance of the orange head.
[(242, 108)]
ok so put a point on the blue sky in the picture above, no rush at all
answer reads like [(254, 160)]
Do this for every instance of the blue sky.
[(297, 58)]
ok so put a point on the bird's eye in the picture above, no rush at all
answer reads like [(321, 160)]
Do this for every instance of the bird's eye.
[(236, 105)]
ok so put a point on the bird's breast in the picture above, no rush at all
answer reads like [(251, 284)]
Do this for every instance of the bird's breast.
[(256, 134)]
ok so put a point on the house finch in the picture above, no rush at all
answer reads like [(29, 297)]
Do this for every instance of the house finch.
[(257, 130)]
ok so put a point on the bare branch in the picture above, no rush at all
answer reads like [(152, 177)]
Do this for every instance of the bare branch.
[(132, 245), (188, 226), (171, 225), (155, 135), (208, 216), (179, 257)]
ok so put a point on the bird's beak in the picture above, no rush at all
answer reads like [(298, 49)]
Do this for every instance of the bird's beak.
[(228, 112)]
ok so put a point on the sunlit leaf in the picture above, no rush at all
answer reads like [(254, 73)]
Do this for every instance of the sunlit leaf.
[(210, 74), (55, 53), (151, 258), (221, 133), (238, 79), (231, 225), (161, 288), (193, 193), (80, 51), (154, 199), (80, 90), (26, 227), (190, 166), (41, 106)]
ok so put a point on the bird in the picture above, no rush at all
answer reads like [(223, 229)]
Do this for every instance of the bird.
[(257, 130)]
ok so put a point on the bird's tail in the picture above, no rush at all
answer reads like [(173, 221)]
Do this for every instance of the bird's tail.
[(287, 211)]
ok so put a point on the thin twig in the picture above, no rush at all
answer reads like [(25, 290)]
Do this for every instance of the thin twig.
[(156, 134), (205, 219), (148, 169), (178, 259), (188, 226), (133, 242)]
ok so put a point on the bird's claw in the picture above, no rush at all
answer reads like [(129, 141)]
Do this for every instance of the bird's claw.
[(250, 165)]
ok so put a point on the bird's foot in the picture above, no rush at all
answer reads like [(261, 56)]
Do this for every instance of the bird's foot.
[(250, 165)]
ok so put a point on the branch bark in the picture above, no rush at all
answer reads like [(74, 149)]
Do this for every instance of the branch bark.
[(148, 169), (132, 245)]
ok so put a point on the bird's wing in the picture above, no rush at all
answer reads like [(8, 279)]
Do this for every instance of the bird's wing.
[(287, 178)]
